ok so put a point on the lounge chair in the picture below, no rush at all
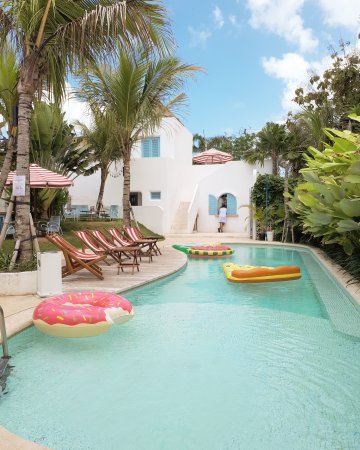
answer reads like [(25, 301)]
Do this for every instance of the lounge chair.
[(117, 252), (137, 238), (146, 249), (90, 244), (75, 259)]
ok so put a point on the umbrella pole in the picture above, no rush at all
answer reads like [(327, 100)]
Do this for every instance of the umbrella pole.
[(6, 221)]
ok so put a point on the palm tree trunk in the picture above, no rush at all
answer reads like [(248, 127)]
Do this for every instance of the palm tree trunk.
[(286, 187), (286, 202), (275, 163), (10, 147), (126, 189), (103, 177), (26, 90)]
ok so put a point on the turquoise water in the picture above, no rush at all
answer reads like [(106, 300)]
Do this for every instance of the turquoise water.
[(204, 364)]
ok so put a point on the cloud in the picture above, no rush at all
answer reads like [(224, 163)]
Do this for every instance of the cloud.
[(233, 21), (345, 13), (75, 109), (282, 17), (218, 17), (198, 37), (294, 72)]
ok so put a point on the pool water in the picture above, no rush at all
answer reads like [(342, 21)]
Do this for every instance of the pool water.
[(204, 364)]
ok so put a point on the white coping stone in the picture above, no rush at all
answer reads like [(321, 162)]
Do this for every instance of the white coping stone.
[(18, 283)]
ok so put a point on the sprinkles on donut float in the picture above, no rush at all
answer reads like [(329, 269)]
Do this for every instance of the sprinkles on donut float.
[(81, 314)]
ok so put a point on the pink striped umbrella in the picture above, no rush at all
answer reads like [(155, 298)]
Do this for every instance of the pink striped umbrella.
[(43, 178), (212, 156)]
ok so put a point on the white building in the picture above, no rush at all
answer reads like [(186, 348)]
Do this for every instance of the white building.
[(171, 195)]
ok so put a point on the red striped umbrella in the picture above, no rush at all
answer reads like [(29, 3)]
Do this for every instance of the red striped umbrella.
[(43, 178), (212, 156)]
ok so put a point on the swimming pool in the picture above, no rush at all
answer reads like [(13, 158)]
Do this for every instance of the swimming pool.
[(204, 364)]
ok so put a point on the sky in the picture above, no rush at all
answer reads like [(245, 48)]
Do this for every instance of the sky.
[(254, 53)]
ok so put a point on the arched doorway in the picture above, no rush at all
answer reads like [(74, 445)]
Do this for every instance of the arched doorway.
[(227, 199)]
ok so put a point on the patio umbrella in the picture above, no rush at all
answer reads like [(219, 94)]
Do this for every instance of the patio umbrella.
[(43, 178), (212, 156), (39, 178)]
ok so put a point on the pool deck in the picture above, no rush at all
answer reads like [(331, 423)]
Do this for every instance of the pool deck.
[(18, 309)]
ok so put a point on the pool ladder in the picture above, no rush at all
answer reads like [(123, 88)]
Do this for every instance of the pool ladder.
[(5, 358)]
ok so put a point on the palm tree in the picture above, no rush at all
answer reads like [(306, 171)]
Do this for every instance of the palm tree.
[(272, 143), (8, 99), (103, 147), (54, 147), (139, 92), (53, 37)]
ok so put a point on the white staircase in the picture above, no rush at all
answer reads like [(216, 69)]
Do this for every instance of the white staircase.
[(180, 222)]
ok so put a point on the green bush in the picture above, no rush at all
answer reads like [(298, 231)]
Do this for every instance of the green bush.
[(275, 210), (328, 202)]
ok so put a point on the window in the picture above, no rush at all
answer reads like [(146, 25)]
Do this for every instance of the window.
[(228, 200), (150, 147), (213, 207), (155, 195)]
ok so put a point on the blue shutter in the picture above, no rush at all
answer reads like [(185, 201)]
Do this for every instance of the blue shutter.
[(155, 147), (145, 148), (213, 205), (231, 204)]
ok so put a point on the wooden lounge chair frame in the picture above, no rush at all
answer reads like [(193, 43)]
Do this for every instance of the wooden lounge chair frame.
[(75, 259), (144, 242), (87, 242), (146, 248), (136, 236), (118, 252)]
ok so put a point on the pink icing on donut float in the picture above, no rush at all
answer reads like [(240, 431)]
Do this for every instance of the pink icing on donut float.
[(81, 314), (216, 248)]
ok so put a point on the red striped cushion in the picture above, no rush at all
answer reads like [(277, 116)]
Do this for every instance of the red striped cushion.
[(116, 235), (72, 249), (130, 232), (85, 238), (101, 238)]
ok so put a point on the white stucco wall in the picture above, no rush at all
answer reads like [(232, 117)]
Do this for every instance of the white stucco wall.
[(236, 178), (176, 178)]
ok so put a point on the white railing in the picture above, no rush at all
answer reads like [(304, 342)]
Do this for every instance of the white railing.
[(193, 210)]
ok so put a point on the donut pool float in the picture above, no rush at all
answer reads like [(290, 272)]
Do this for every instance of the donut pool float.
[(260, 274), (81, 314), (204, 251)]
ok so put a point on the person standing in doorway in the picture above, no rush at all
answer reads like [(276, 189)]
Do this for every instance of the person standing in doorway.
[(222, 218)]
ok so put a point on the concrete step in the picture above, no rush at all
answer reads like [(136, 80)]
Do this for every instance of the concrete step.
[(179, 224)]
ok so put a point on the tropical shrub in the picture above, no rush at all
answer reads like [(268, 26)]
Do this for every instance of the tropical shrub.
[(274, 184), (328, 201)]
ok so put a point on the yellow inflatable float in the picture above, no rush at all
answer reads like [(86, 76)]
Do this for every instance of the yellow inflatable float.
[(260, 274)]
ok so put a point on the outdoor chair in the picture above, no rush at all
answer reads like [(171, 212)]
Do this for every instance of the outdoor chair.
[(118, 252), (53, 226), (87, 242), (134, 232), (146, 249), (76, 260), (10, 230), (114, 212), (134, 236)]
